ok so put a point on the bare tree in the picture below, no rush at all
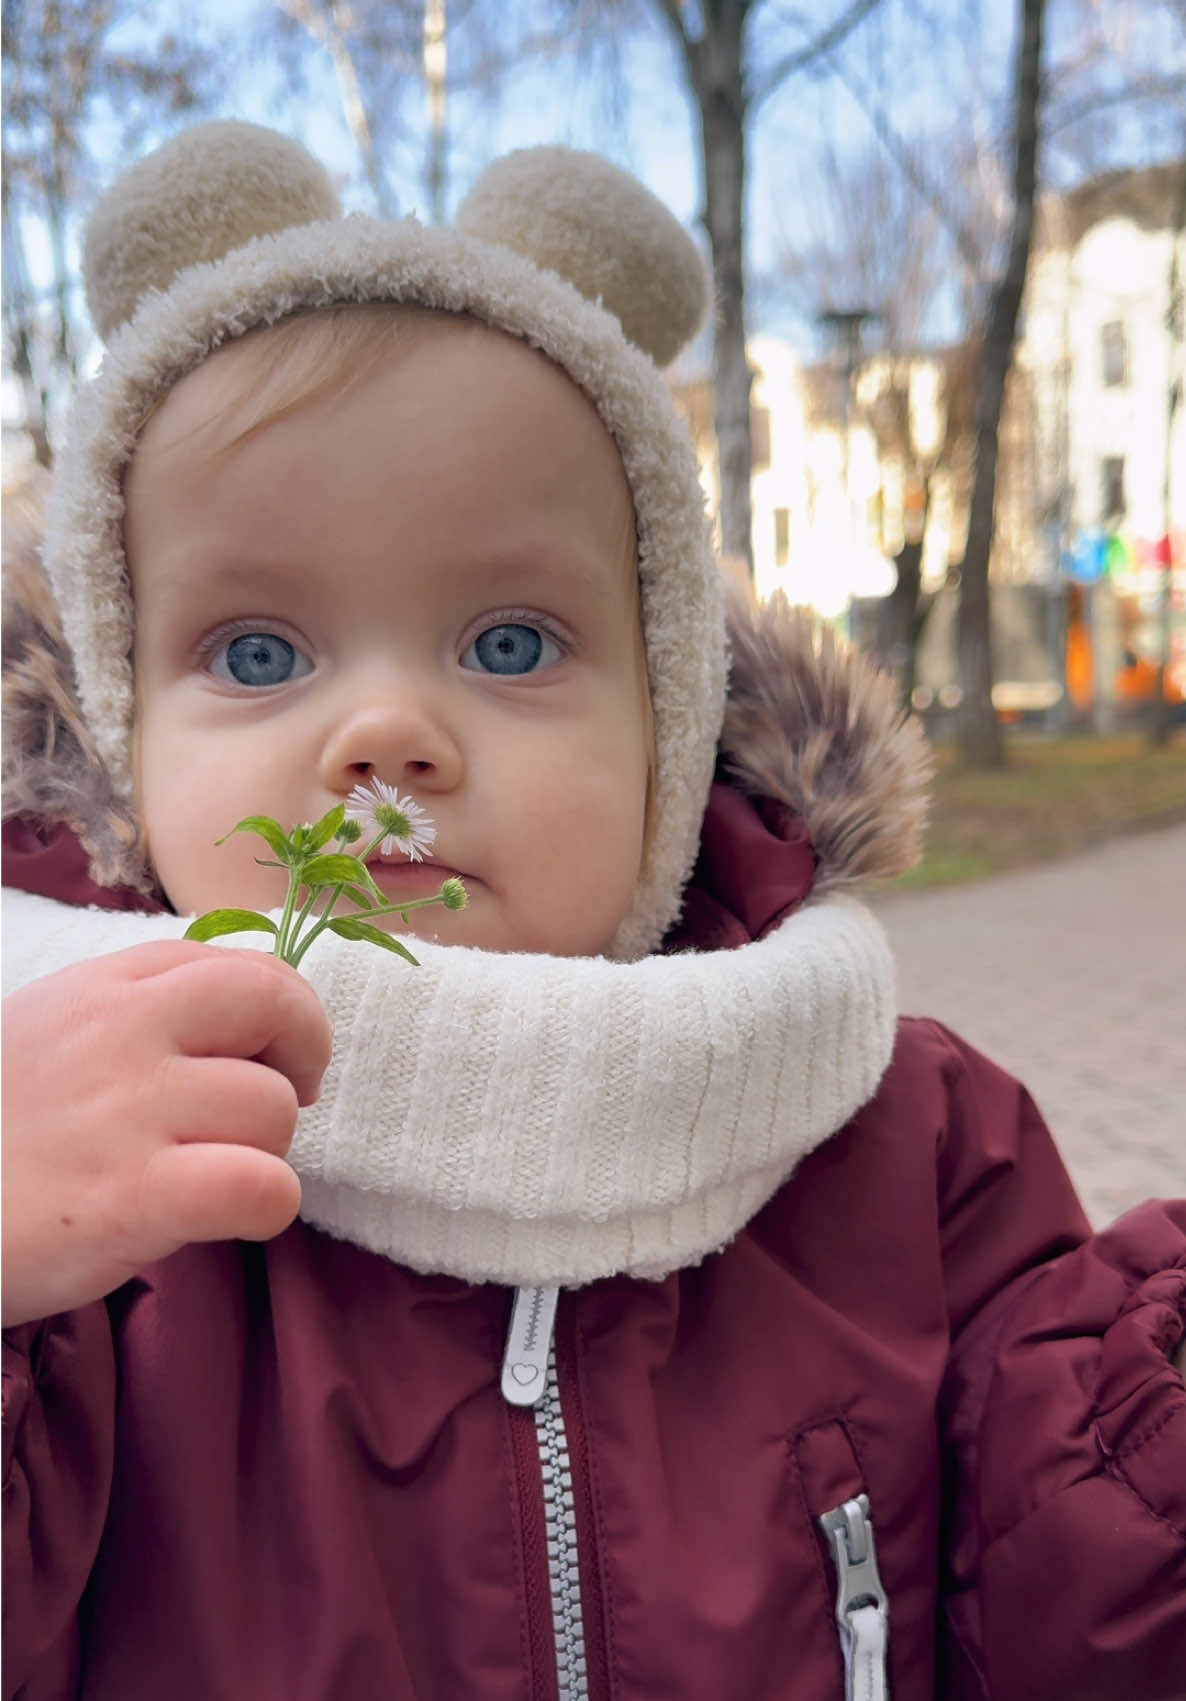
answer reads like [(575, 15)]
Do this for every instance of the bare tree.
[(946, 452), (67, 65), (876, 238), (734, 55), (399, 65), (347, 37), (727, 89), (979, 729), (376, 49), (1117, 70), (1115, 84)]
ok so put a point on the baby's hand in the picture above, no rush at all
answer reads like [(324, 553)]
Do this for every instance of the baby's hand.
[(149, 1098)]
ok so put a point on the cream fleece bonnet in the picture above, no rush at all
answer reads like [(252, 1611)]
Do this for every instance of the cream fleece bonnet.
[(230, 226)]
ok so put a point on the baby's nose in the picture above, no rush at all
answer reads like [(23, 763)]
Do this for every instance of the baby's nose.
[(396, 737)]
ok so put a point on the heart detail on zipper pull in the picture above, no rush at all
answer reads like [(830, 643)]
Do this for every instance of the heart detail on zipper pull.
[(528, 1344)]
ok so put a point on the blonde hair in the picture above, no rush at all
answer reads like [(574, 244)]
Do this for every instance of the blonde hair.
[(284, 367)]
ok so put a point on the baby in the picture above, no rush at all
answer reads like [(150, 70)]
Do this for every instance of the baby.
[(662, 1316), (458, 617)]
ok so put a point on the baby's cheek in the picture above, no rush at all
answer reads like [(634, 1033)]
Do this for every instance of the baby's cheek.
[(180, 838), (170, 873)]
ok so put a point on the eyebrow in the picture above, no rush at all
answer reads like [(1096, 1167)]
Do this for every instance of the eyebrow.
[(210, 571), (540, 560)]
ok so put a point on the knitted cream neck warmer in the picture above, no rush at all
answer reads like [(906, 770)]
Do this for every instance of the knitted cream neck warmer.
[(547, 1121)]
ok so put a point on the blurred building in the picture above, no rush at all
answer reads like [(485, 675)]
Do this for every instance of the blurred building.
[(1102, 351), (1100, 354), (859, 461), (853, 464)]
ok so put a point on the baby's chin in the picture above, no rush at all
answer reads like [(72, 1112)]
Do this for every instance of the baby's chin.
[(434, 926)]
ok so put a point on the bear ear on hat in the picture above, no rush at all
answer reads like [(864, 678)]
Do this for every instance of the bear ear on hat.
[(205, 192), (576, 214)]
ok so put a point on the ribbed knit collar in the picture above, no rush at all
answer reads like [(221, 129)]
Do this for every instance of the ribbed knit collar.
[(600, 1118), (541, 1121)]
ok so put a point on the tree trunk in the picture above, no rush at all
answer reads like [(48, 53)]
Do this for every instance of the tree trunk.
[(20, 331), (979, 731), (715, 66), (1162, 716), (903, 620)]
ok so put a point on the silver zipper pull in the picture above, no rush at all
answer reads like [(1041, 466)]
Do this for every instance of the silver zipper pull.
[(529, 1341), (862, 1612)]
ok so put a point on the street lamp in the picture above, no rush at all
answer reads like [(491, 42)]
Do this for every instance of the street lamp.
[(846, 326)]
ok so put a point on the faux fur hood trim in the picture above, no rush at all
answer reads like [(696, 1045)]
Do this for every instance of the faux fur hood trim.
[(808, 722)]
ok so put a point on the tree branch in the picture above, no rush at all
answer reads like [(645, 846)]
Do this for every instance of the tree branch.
[(329, 34), (1153, 88), (819, 48), (919, 180), (675, 18)]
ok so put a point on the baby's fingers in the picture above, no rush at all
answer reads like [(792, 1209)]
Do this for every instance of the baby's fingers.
[(230, 1101), (203, 1191), (244, 1004)]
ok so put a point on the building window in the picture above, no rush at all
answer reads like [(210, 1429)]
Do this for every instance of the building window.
[(759, 431), (782, 536), (1114, 345), (1112, 488)]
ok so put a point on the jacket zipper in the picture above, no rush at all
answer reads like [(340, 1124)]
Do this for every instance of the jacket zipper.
[(862, 1612), (529, 1379)]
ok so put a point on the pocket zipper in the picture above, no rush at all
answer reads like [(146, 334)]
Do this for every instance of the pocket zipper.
[(862, 1612)]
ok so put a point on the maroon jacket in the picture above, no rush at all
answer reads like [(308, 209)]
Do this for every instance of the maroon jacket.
[(287, 1471)]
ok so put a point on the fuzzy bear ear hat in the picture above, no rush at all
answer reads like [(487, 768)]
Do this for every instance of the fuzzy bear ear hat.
[(230, 226)]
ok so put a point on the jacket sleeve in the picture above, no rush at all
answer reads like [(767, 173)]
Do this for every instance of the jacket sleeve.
[(1064, 1418), (58, 1430)]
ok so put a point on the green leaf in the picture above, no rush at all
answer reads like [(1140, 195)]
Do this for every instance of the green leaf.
[(327, 827), (217, 922), (338, 868), (267, 829), (349, 927), (358, 896)]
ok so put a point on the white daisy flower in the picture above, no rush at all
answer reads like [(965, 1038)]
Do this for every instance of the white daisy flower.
[(378, 808)]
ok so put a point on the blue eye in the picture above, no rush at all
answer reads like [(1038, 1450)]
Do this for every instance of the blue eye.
[(259, 659), (510, 649)]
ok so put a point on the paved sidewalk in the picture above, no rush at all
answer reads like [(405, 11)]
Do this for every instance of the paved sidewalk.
[(1072, 975)]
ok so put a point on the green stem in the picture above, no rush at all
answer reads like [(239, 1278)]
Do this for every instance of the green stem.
[(402, 910), (306, 907), (280, 948), (305, 943), (293, 947)]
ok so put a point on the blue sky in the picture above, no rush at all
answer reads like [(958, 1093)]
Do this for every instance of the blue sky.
[(913, 56), (652, 131), (907, 62)]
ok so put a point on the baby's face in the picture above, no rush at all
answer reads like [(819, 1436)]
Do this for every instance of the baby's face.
[(428, 578)]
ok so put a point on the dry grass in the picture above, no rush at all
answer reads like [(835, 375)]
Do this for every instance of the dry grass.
[(1052, 798)]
